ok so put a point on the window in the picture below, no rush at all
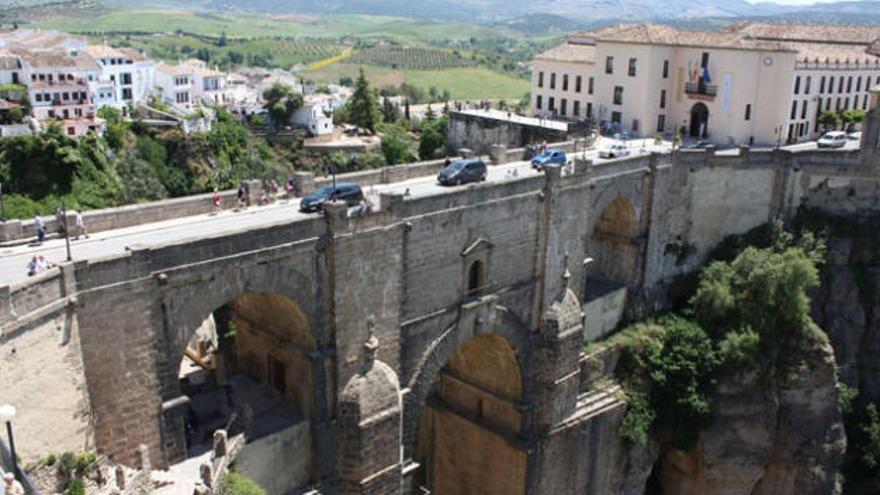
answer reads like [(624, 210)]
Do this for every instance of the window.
[(859, 84), (840, 85), (538, 101), (126, 94), (849, 84), (609, 65), (618, 95), (590, 86), (828, 104), (126, 78), (846, 103), (552, 80), (822, 85), (662, 98), (804, 109), (661, 123), (665, 69), (71, 131), (797, 84), (632, 67), (831, 84), (65, 96), (589, 110), (38, 97), (541, 79), (793, 110), (616, 117), (748, 111), (476, 278), (563, 106), (635, 127), (855, 102), (551, 104), (565, 82), (807, 85), (578, 84), (705, 61), (577, 109)]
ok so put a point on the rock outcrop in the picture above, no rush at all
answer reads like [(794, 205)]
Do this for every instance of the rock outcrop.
[(780, 436)]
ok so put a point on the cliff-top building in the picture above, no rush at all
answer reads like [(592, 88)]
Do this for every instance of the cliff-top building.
[(750, 83)]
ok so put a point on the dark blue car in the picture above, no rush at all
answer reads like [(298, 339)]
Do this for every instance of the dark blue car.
[(462, 172), (350, 193), (548, 158)]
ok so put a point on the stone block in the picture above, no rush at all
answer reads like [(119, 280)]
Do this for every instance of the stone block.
[(220, 443), (11, 230), (304, 183), (498, 154)]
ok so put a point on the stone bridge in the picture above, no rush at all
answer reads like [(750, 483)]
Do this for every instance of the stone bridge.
[(434, 343)]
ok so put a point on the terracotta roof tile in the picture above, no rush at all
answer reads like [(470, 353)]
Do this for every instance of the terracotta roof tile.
[(570, 52), (657, 34)]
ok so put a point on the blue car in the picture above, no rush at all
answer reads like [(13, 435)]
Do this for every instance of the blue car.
[(548, 158), (350, 193)]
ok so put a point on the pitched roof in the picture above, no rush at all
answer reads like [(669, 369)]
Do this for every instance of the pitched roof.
[(174, 70), (820, 33), (59, 59), (658, 34), (570, 52)]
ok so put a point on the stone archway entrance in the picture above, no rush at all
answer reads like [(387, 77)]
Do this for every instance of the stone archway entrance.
[(465, 440), (699, 120), (616, 252), (248, 369)]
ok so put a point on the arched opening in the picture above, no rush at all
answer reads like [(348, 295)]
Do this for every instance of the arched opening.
[(476, 278), (466, 437), (614, 249), (699, 120), (248, 369)]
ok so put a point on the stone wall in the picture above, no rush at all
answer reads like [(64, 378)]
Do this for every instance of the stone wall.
[(279, 461), (479, 133)]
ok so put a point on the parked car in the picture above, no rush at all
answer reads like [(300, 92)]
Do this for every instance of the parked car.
[(462, 172), (350, 193), (614, 151), (548, 158), (834, 139)]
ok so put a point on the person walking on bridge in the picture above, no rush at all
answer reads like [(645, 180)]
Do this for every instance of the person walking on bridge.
[(218, 207), (80, 225), (39, 228)]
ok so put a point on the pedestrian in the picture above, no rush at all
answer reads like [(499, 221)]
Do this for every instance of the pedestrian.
[(39, 228), (289, 187), (59, 219), (80, 225), (32, 266), (11, 486), (544, 146), (240, 197), (217, 201)]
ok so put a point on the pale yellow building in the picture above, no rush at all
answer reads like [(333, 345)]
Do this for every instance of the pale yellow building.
[(748, 84)]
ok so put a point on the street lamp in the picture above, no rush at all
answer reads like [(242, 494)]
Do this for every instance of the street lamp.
[(7, 413), (66, 229)]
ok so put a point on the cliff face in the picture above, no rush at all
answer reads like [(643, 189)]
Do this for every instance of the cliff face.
[(769, 436), (847, 306)]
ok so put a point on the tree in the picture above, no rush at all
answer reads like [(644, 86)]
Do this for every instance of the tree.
[(432, 143), (281, 102), (222, 40), (406, 109), (362, 108), (851, 117), (829, 119), (395, 148), (390, 112)]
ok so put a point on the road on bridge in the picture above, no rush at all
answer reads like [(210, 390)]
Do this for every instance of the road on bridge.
[(13, 260)]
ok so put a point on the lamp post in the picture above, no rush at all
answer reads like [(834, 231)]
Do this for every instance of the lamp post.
[(66, 229), (7, 413)]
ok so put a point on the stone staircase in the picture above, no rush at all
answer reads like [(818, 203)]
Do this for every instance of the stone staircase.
[(605, 397)]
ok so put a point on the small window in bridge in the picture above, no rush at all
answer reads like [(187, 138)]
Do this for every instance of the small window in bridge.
[(476, 278)]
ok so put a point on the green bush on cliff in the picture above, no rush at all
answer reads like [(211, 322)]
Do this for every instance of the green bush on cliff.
[(237, 484)]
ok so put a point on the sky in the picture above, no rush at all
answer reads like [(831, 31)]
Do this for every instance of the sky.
[(795, 2)]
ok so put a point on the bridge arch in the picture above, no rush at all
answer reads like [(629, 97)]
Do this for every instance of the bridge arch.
[(265, 372), (464, 409), (615, 243)]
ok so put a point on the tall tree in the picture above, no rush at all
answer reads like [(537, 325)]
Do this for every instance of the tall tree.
[(362, 108), (829, 119), (390, 112), (281, 102)]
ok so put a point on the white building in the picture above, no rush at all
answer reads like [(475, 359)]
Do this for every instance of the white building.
[(59, 88), (748, 84), (190, 84), (126, 77), (209, 85), (315, 115), (175, 83)]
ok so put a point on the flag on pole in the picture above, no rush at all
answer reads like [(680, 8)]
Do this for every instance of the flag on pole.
[(695, 76), (706, 74), (690, 71)]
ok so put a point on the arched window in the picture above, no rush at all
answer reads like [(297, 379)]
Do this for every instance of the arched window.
[(476, 278)]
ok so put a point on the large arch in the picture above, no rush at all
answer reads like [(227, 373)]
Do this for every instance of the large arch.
[(699, 120), (615, 234), (464, 410)]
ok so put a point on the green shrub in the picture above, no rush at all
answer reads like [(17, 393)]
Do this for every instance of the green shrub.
[(845, 397), (76, 487), (637, 419), (740, 351), (237, 484)]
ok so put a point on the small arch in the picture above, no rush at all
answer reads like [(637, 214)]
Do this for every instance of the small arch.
[(614, 248), (476, 278), (618, 219), (699, 120)]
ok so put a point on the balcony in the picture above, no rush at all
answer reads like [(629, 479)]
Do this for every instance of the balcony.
[(701, 90)]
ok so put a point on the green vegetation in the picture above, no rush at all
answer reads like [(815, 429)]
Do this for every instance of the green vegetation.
[(411, 58), (756, 315), (238, 484), (432, 143), (282, 102), (829, 119), (362, 109), (132, 163)]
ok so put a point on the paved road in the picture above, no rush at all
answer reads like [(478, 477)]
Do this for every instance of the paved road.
[(13, 260)]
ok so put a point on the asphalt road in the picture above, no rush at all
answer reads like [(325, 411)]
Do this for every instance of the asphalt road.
[(13, 260)]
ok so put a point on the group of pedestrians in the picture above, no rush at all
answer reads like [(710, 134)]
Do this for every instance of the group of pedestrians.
[(79, 222), (38, 264)]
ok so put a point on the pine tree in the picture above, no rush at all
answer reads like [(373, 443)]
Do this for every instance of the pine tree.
[(406, 109), (362, 108), (390, 112)]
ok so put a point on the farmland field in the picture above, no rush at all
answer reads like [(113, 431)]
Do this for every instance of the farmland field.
[(462, 83), (410, 58)]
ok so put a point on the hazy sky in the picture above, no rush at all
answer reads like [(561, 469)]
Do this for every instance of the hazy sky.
[(796, 2)]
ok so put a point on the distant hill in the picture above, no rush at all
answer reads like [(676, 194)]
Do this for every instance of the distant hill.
[(542, 24)]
